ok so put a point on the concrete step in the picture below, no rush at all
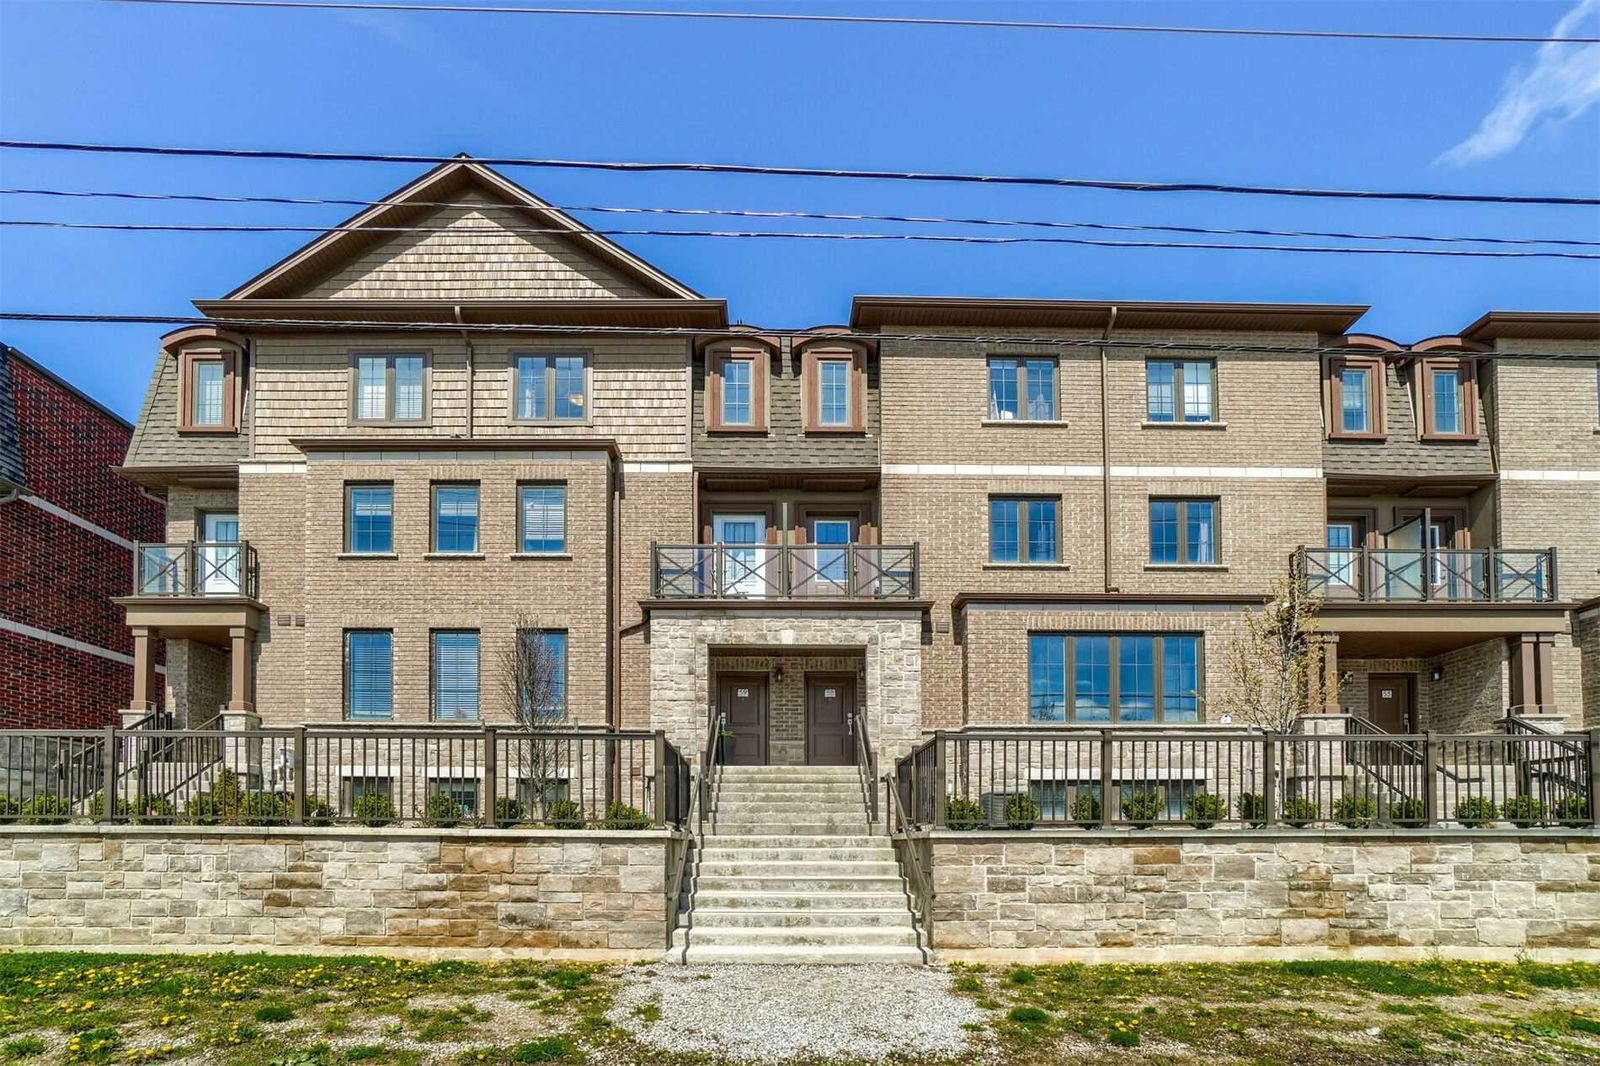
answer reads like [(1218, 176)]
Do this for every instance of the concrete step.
[(718, 827), (809, 842), (710, 855), (782, 954), (843, 883), (709, 900), (788, 808), (803, 868), (766, 919), (820, 936)]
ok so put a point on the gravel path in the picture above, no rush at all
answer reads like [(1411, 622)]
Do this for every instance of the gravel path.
[(774, 1013)]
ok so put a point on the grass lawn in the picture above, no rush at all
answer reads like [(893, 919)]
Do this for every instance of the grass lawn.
[(258, 1010)]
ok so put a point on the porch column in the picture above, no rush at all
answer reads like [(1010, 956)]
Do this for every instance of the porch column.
[(146, 690), (241, 689), (1533, 689), (1330, 673)]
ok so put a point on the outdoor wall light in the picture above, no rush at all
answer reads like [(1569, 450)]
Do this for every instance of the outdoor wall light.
[(1436, 674)]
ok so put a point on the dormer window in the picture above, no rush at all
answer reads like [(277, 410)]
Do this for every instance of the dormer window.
[(208, 390), (833, 379), (1448, 400), (1353, 397), (736, 389)]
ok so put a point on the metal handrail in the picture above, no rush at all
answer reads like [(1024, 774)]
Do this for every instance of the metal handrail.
[(196, 569), (708, 768), (785, 571), (1428, 574), (866, 762), (921, 884)]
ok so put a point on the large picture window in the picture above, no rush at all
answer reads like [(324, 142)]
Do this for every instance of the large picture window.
[(1113, 677), (1024, 530)]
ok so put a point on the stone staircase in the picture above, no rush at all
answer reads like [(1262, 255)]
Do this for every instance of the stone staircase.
[(790, 871)]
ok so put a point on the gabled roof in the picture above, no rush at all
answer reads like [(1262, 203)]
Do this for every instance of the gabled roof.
[(448, 182)]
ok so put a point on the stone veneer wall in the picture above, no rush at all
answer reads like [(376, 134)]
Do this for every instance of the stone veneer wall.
[(427, 892), (1215, 895), (786, 696), (889, 642)]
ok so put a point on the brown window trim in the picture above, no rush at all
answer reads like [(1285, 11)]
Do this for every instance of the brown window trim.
[(426, 354), (1114, 703), (231, 389), (1183, 561), (990, 418), (1468, 369), (1180, 415), (1023, 499), (1333, 395), (761, 361), (810, 360), (514, 374)]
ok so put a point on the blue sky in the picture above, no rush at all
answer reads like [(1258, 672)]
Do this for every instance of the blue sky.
[(1314, 113)]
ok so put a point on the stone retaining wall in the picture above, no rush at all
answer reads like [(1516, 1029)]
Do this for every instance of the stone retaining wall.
[(1153, 896), (427, 892)]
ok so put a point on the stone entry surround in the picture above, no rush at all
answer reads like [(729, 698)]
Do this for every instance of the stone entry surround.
[(1219, 895), (886, 642)]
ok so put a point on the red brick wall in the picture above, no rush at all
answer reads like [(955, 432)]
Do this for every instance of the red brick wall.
[(59, 577)]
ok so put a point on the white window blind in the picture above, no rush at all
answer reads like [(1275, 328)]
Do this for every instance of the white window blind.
[(455, 675)]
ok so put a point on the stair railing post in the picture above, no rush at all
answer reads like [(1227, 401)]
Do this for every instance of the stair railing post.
[(300, 775), (108, 766), (1269, 779), (1594, 778), (939, 784), (660, 813), (491, 776), (1107, 752), (1430, 779)]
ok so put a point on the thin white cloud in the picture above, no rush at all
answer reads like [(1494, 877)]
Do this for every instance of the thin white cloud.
[(1562, 83)]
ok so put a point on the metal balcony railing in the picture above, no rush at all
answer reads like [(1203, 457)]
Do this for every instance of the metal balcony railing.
[(196, 568), (1420, 575), (785, 571)]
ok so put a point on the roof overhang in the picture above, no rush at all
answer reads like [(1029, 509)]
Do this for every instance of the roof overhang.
[(1414, 631), (1536, 325), (875, 312), (190, 475), (338, 313)]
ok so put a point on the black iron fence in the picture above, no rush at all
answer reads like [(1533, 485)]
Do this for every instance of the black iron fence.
[(785, 571), (373, 776), (1209, 778), (1494, 575)]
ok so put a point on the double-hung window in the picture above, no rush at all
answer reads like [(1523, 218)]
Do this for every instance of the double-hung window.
[(1024, 530), (1183, 532), (390, 388), (1022, 390), (542, 518), (738, 392), (209, 377), (1113, 677), (368, 674), (369, 519), (542, 670), (208, 394), (552, 387), (1449, 398), (1353, 387), (1180, 390), (833, 393), (455, 675), (455, 518)]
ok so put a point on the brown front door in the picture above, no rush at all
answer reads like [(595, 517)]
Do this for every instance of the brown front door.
[(830, 702), (1389, 702), (742, 698)]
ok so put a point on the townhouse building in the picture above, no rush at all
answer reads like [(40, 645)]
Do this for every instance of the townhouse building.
[(401, 457)]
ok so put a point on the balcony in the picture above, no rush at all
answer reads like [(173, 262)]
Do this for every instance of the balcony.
[(196, 569), (1430, 575), (785, 571)]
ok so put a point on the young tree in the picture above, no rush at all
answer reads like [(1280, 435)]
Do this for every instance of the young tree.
[(1276, 664), (533, 682)]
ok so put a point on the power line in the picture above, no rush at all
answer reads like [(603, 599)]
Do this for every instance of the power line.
[(941, 238), (480, 205), (878, 20), (692, 331), (802, 172)]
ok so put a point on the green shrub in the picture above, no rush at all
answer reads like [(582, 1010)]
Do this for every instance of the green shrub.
[(621, 816), (373, 809), (1355, 812), (220, 805), (1205, 810), (1524, 811), (1086, 807), (1142, 807), (1571, 808), (441, 811), (564, 814), (263, 808), (1300, 812), (1408, 811), (1253, 809), (1021, 812), (10, 809), (963, 813), (318, 811), (46, 810), (507, 812), (1475, 812)]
